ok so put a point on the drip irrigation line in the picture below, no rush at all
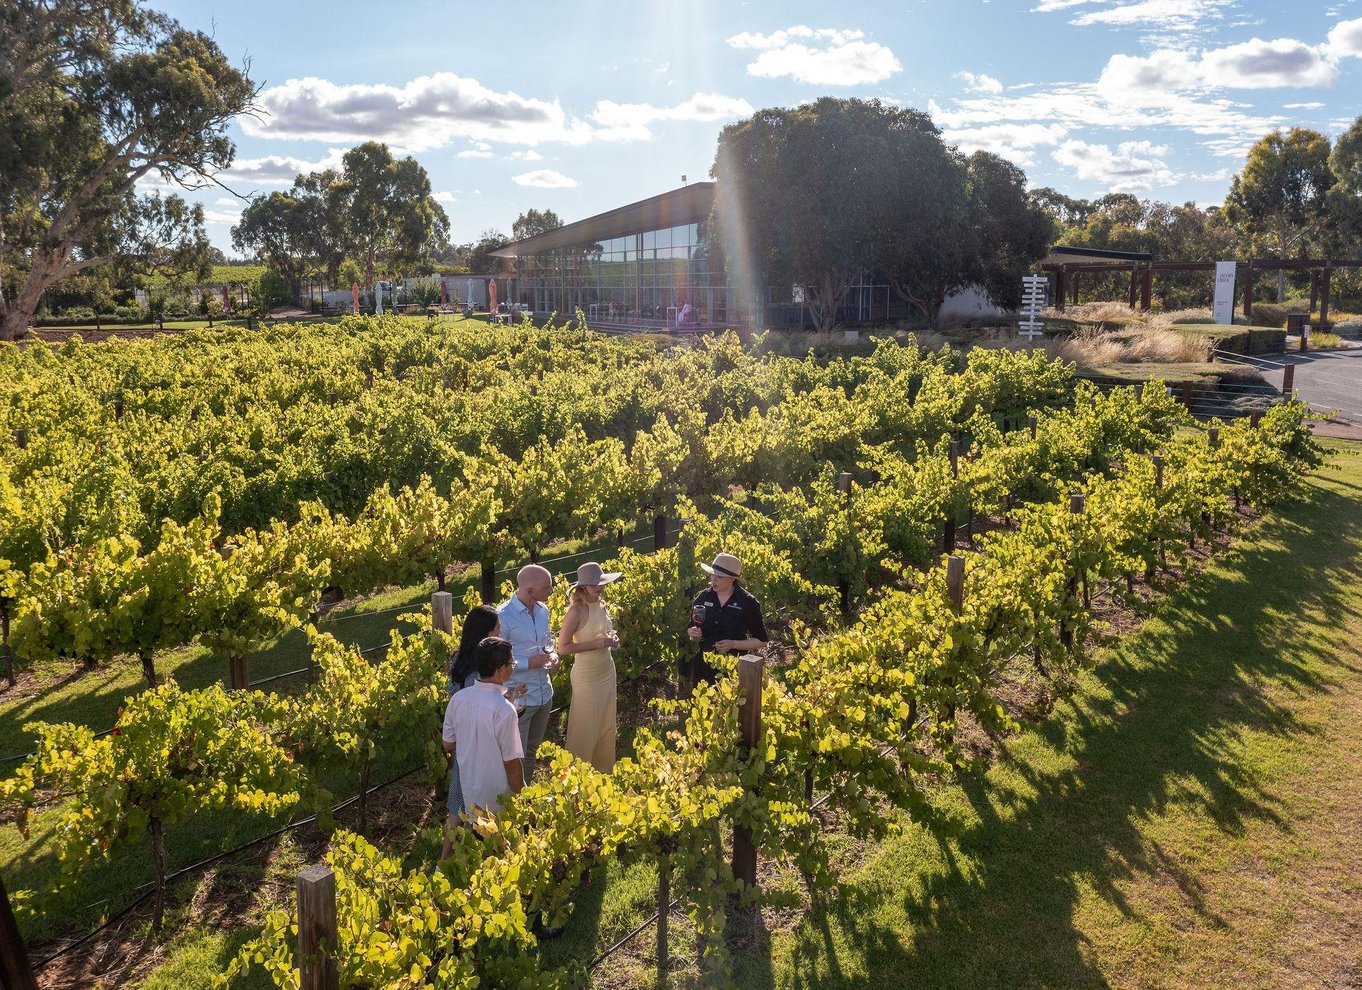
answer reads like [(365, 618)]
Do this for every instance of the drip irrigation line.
[(147, 889), (584, 553), (325, 620), (277, 677)]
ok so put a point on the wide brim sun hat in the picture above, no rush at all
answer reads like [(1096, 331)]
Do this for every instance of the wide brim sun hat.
[(591, 575), (725, 565)]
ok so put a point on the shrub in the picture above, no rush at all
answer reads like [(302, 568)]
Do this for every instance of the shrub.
[(270, 291)]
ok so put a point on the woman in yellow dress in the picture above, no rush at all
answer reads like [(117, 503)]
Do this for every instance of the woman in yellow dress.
[(588, 633)]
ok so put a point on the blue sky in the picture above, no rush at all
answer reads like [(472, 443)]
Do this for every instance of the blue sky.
[(582, 107)]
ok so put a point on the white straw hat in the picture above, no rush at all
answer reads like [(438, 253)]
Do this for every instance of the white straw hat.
[(725, 565), (591, 575)]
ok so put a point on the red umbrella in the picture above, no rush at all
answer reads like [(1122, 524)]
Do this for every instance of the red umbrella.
[(492, 296), (444, 292), (354, 295)]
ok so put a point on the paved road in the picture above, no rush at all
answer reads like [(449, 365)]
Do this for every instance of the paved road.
[(1326, 379)]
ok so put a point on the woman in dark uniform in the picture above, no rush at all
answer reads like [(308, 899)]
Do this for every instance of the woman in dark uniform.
[(725, 618)]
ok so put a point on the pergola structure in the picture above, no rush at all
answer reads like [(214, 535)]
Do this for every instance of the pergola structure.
[(1069, 264)]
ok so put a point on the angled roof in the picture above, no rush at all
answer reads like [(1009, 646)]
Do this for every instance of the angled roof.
[(1059, 254), (689, 204)]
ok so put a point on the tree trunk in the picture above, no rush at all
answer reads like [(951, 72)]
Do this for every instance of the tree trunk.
[(158, 855), (148, 667)]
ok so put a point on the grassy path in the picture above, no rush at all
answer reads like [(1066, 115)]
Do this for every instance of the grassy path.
[(1189, 820)]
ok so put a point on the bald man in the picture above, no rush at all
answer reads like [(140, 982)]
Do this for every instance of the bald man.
[(525, 622)]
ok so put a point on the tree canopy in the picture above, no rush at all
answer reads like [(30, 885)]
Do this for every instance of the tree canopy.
[(376, 210), (533, 222), (95, 99), (824, 194), (1279, 201)]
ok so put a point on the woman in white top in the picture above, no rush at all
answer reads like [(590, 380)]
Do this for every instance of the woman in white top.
[(588, 633)]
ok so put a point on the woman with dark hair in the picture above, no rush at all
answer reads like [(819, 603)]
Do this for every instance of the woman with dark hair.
[(479, 624)]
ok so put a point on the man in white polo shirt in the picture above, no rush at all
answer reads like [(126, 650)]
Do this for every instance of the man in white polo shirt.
[(482, 731)]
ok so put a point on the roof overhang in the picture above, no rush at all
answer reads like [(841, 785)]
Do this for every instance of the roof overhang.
[(689, 204)]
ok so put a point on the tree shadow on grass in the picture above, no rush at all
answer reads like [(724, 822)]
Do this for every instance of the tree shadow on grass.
[(1161, 722)]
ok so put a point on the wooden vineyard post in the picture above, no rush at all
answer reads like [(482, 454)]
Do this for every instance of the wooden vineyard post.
[(659, 531), (1031, 425), (15, 971), (4, 640), (442, 612), (239, 677), (948, 530), (1066, 634), (751, 674), (1289, 381), (955, 581), (1158, 487), (331, 399), (664, 903), (844, 583), (313, 618), (21, 438), (1213, 437), (955, 590), (317, 941), (489, 581), (1187, 394), (1254, 418)]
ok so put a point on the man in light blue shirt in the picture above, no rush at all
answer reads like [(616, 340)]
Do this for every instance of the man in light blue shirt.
[(525, 623)]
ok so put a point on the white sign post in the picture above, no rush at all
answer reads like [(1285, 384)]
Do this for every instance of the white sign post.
[(1034, 288), (1224, 292)]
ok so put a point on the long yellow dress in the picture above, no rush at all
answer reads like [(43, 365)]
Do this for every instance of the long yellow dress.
[(591, 719)]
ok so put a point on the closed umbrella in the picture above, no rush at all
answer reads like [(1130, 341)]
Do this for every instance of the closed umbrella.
[(444, 292), (492, 296), (469, 302), (354, 295), (226, 300)]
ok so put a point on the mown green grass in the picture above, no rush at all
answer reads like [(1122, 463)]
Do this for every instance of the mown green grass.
[(1171, 826)]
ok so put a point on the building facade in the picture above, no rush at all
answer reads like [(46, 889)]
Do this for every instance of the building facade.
[(648, 263), (643, 264)]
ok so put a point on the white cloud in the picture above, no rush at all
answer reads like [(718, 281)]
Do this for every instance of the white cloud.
[(819, 57), (1135, 166), (529, 155), (1147, 80), (980, 83), (444, 197), (427, 112), (1345, 39), (629, 121), (1048, 6), (432, 111), (1165, 14), (1313, 105), (1012, 141), (1260, 64), (276, 170), (544, 178)]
